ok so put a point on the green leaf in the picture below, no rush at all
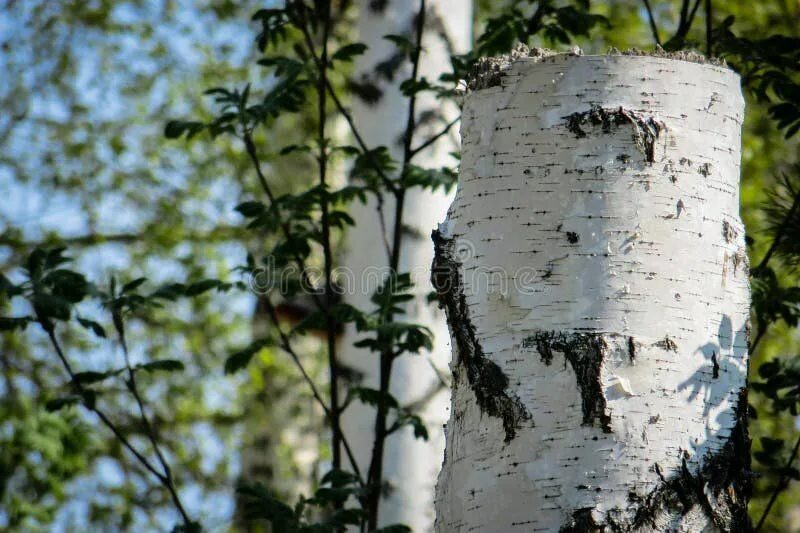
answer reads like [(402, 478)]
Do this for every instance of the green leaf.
[(10, 323), (170, 291), (402, 42), (35, 262), (374, 397), (8, 288), (59, 403), (176, 128), (67, 284), (286, 150), (338, 478), (250, 209), (50, 306), (769, 368), (89, 377), (199, 287), (165, 365), (771, 445), (349, 51), (241, 358), (133, 285), (260, 504), (96, 328)]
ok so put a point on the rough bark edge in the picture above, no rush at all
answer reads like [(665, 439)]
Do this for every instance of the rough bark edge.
[(489, 71), (723, 484), (486, 378), (722, 487), (646, 129), (585, 353)]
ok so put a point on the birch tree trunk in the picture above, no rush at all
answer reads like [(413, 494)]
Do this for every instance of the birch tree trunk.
[(410, 465), (595, 278)]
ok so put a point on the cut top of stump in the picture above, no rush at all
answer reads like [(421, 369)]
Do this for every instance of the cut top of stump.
[(489, 71)]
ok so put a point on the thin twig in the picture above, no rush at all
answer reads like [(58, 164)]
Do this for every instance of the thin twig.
[(685, 22), (250, 147), (387, 181), (382, 222), (780, 234), (691, 16), (652, 20), (286, 345), (783, 482), (110, 424), (169, 482), (757, 340), (333, 365), (709, 29), (430, 141)]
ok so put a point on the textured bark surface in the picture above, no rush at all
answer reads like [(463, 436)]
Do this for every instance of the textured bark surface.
[(410, 464), (604, 295)]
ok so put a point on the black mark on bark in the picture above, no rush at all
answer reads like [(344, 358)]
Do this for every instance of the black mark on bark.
[(582, 522), (714, 362), (632, 349), (585, 353), (572, 237), (667, 344), (485, 377), (729, 233), (724, 477), (646, 130), (705, 169), (721, 487)]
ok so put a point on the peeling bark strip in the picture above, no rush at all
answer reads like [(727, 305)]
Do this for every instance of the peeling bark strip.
[(585, 353), (610, 292), (646, 130), (487, 380)]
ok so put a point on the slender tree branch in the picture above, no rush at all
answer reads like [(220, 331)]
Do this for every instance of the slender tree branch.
[(684, 23), (162, 478), (430, 141), (333, 364), (783, 482), (691, 16), (382, 222), (219, 233), (169, 482), (286, 345), (652, 20), (709, 29), (387, 182), (252, 153), (780, 234), (757, 340)]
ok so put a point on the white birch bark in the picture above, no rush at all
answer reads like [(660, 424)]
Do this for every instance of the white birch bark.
[(410, 465), (594, 273)]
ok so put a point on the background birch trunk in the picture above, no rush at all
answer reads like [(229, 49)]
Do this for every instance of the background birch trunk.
[(594, 274), (410, 464)]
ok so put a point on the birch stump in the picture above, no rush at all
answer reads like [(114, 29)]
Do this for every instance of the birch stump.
[(594, 274)]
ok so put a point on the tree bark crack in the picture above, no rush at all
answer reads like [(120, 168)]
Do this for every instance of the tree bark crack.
[(485, 377), (646, 129), (585, 353)]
